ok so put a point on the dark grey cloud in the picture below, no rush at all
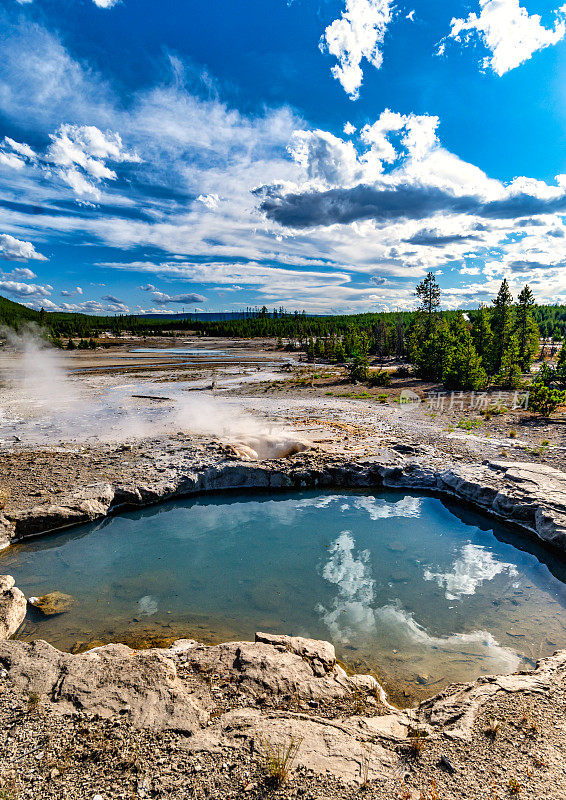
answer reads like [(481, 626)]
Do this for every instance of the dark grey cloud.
[(389, 204), (432, 238), (526, 223), (524, 265), (163, 299)]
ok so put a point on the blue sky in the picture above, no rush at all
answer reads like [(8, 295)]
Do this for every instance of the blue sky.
[(314, 154)]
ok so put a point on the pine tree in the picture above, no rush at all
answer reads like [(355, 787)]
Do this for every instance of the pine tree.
[(561, 367), (425, 336), (358, 369), (431, 354), (428, 292), (526, 328), (501, 325), (465, 370), (481, 333), (509, 374)]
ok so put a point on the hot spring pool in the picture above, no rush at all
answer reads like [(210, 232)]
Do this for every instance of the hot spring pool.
[(416, 589)]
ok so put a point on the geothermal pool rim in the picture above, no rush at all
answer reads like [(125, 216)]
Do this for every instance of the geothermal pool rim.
[(531, 497)]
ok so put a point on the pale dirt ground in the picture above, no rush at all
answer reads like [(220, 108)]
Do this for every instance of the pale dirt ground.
[(269, 389)]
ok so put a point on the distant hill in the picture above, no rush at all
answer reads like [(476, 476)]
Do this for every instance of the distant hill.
[(14, 314), (204, 316)]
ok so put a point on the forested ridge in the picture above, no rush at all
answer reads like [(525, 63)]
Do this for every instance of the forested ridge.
[(550, 319), (490, 346)]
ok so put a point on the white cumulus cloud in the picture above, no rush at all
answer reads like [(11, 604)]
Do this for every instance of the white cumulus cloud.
[(13, 249), (358, 34), (25, 290), (80, 153), (508, 31)]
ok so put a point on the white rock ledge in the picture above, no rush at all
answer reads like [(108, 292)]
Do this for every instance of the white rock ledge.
[(12, 607), (531, 496)]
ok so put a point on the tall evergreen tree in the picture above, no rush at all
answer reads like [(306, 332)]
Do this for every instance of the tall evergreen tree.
[(431, 354), (509, 374), (501, 325), (428, 292), (423, 335), (464, 370), (561, 367), (481, 333), (526, 328)]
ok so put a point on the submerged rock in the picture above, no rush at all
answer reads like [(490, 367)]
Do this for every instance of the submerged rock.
[(52, 603), (12, 607)]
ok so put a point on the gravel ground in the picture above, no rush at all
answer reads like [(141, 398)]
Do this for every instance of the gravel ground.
[(336, 416), (46, 755)]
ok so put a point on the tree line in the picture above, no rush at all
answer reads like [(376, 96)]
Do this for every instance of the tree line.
[(470, 350)]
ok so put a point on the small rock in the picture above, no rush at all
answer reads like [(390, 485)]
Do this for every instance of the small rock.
[(446, 764), (52, 603)]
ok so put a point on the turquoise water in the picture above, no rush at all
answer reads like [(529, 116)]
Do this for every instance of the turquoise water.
[(416, 590), (178, 351)]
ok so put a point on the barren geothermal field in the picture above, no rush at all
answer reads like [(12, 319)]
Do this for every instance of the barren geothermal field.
[(239, 564)]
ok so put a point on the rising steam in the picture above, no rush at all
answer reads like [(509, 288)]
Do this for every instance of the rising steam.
[(45, 404)]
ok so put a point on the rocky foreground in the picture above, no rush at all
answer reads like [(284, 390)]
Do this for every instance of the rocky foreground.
[(196, 721)]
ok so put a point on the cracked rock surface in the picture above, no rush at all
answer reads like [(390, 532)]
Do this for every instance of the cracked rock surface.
[(158, 718)]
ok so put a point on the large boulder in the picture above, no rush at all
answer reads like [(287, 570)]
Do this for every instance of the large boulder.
[(108, 681), (12, 607), (272, 666)]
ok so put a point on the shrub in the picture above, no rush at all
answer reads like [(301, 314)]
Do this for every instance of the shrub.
[(492, 728), (417, 741), (470, 424), (358, 369), (379, 378), (545, 399)]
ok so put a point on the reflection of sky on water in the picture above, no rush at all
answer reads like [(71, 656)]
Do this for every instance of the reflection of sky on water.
[(375, 507), (352, 614), (392, 579), (474, 566)]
